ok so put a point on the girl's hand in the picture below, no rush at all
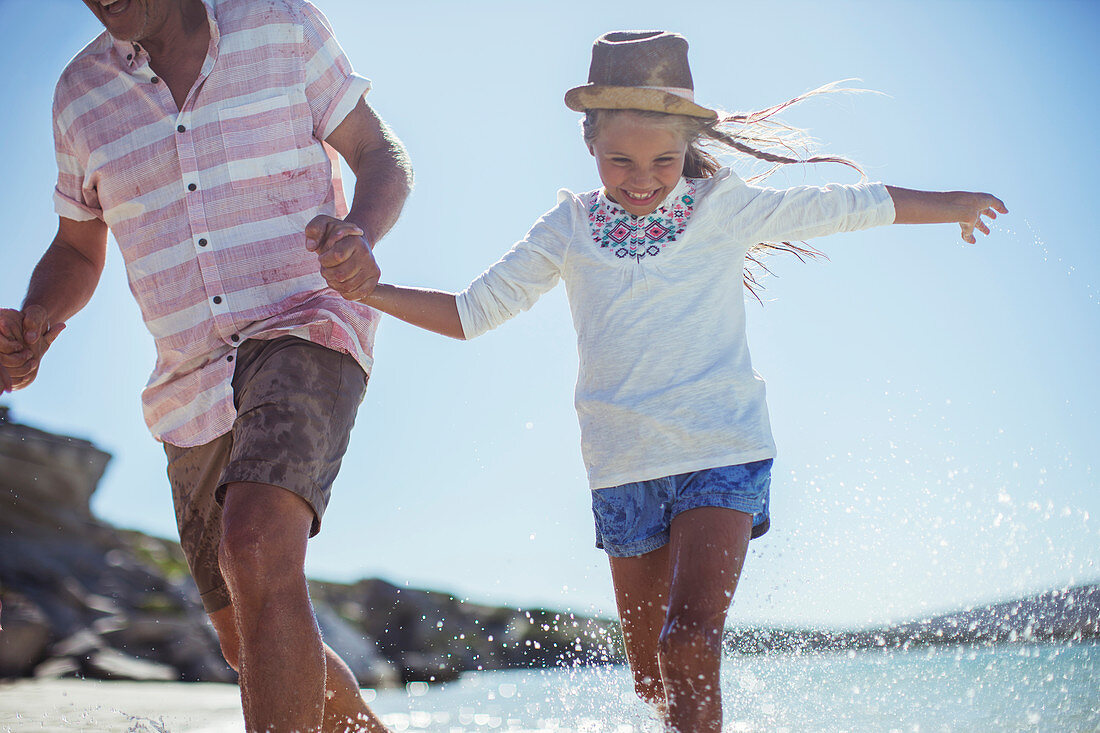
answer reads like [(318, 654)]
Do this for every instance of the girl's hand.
[(975, 207)]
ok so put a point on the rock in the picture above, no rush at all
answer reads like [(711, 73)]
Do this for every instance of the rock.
[(80, 644), (91, 587), (62, 471), (187, 645), (25, 637), (57, 668), (421, 667), (432, 636), (110, 664)]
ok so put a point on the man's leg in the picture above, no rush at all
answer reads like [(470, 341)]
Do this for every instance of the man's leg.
[(296, 404), (289, 679), (262, 555), (345, 710)]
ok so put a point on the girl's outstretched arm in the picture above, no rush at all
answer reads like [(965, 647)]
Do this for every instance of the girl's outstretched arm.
[(433, 310), (944, 207)]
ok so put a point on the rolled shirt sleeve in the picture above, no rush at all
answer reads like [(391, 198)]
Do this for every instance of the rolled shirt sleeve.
[(332, 86), (71, 199), (805, 212), (513, 284)]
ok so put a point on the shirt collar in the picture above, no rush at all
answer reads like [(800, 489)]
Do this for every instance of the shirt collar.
[(131, 53)]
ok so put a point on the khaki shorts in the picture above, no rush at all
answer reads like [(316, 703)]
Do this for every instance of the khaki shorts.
[(296, 403)]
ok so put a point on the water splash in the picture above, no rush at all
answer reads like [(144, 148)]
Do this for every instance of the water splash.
[(1091, 291), (569, 700), (1006, 687), (148, 725)]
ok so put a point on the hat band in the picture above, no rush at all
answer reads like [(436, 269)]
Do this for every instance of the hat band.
[(683, 92)]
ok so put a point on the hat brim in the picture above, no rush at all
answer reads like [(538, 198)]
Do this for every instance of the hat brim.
[(598, 96)]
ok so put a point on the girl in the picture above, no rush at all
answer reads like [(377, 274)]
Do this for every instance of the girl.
[(674, 425)]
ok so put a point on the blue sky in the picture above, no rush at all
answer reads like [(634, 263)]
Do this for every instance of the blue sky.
[(935, 403)]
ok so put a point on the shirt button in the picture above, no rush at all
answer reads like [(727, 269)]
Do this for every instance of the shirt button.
[(235, 338), (202, 242), (181, 128), (217, 299), (191, 187), (155, 80), (229, 358)]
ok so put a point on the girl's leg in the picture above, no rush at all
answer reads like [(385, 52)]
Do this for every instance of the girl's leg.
[(706, 553), (641, 593)]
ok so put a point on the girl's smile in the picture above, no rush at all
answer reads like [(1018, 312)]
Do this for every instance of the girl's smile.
[(639, 159)]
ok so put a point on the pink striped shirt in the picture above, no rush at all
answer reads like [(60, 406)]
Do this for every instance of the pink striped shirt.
[(209, 203)]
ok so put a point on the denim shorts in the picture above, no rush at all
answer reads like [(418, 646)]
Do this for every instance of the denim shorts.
[(633, 519)]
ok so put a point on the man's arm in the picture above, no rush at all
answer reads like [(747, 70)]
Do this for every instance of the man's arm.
[(62, 283), (383, 179)]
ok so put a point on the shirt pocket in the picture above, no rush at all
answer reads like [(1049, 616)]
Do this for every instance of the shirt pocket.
[(259, 141)]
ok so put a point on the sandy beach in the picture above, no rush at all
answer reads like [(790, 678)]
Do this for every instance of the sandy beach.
[(137, 707)]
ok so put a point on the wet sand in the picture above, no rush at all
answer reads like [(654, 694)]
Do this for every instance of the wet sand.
[(129, 707)]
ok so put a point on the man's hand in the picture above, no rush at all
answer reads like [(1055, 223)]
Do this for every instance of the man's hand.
[(347, 262), (25, 336), (13, 352)]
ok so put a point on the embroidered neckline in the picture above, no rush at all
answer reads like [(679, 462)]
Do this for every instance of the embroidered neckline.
[(637, 237)]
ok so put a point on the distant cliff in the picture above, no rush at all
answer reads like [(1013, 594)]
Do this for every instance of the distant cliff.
[(82, 598), (1066, 615)]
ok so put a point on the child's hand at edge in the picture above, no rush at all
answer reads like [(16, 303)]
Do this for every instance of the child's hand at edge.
[(979, 205), (24, 338)]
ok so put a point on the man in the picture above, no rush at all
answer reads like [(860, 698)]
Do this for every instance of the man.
[(201, 134)]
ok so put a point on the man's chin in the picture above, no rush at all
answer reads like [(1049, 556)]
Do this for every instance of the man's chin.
[(129, 26), (126, 34)]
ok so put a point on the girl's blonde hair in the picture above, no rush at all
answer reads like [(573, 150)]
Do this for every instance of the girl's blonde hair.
[(756, 134)]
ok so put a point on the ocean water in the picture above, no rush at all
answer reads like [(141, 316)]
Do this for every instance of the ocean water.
[(1025, 687)]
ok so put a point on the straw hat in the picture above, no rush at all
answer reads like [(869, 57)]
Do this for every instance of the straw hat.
[(646, 70)]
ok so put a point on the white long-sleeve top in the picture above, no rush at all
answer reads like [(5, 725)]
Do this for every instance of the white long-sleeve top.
[(666, 385)]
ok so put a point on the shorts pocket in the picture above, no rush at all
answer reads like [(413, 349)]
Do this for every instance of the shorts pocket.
[(259, 141)]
